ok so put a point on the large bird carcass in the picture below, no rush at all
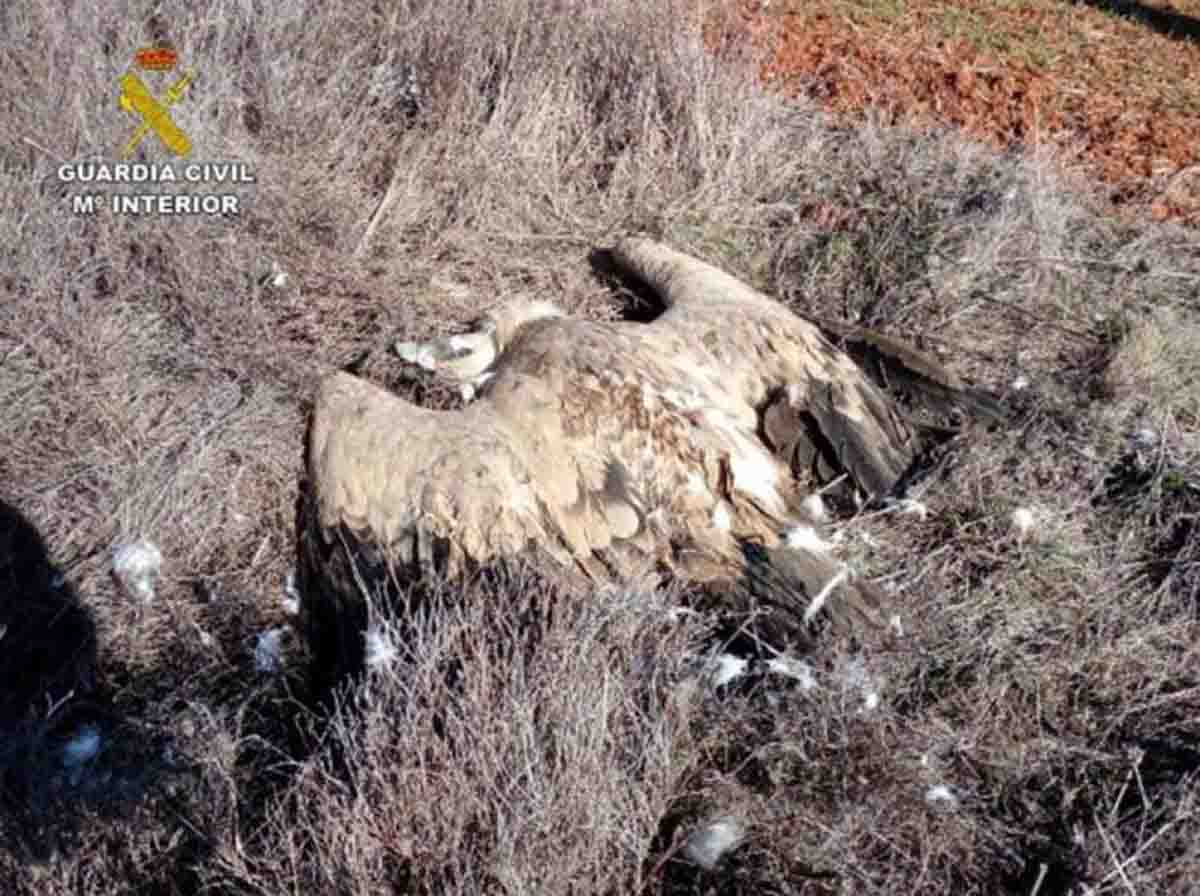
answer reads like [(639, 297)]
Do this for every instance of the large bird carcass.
[(604, 448)]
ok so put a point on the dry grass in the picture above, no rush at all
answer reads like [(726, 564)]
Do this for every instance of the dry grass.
[(1014, 72), (528, 738), (534, 738)]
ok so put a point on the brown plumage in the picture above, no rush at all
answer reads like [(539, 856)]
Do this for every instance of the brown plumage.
[(906, 369), (608, 447)]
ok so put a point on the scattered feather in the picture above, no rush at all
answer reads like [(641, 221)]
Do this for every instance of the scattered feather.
[(291, 595), (814, 508), (727, 668), (711, 842), (268, 650), (381, 649), (805, 538), (1144, 439), (1024, 520), (136, 566), (911, 507), (798, 670), (277, 277), (83, 747), (939, 796), (856, 677), (674, 614), (818, 602)]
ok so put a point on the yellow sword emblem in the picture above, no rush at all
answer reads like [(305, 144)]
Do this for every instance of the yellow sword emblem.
[(136, 98)]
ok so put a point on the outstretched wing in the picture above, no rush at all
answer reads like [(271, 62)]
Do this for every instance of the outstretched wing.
[(396, 493), (686, 286), (906, 369), (487, 482), (813, 401)]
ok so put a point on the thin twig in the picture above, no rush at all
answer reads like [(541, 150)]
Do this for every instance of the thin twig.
[(1078, 334), (1120, 866), (385, 204), (1103, 263), (43, 149), (1118, 863), (1037, 884)]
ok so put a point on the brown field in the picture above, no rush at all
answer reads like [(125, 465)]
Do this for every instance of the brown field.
[(1115, 85), (416, 163)]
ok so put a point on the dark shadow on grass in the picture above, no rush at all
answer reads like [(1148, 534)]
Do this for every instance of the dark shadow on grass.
[(49, 638), (1164, 21), (639, 303), (65, 752), (47, 675)]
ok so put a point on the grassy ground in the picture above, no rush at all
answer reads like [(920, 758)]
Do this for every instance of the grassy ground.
[(1023, 72), (417, 164)]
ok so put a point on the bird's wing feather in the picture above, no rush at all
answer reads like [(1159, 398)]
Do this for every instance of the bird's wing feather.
[(902, 367), (685, 285), (831, 428), (812, 398), (387, 470)]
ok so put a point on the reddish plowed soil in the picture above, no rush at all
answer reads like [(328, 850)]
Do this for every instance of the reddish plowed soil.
[(1121, 89)]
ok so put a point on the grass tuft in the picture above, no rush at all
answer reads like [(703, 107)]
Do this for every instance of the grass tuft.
[(416, 166)]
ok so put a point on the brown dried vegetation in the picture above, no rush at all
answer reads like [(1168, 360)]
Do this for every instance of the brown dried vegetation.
[(520, 736), (1117, 84)]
